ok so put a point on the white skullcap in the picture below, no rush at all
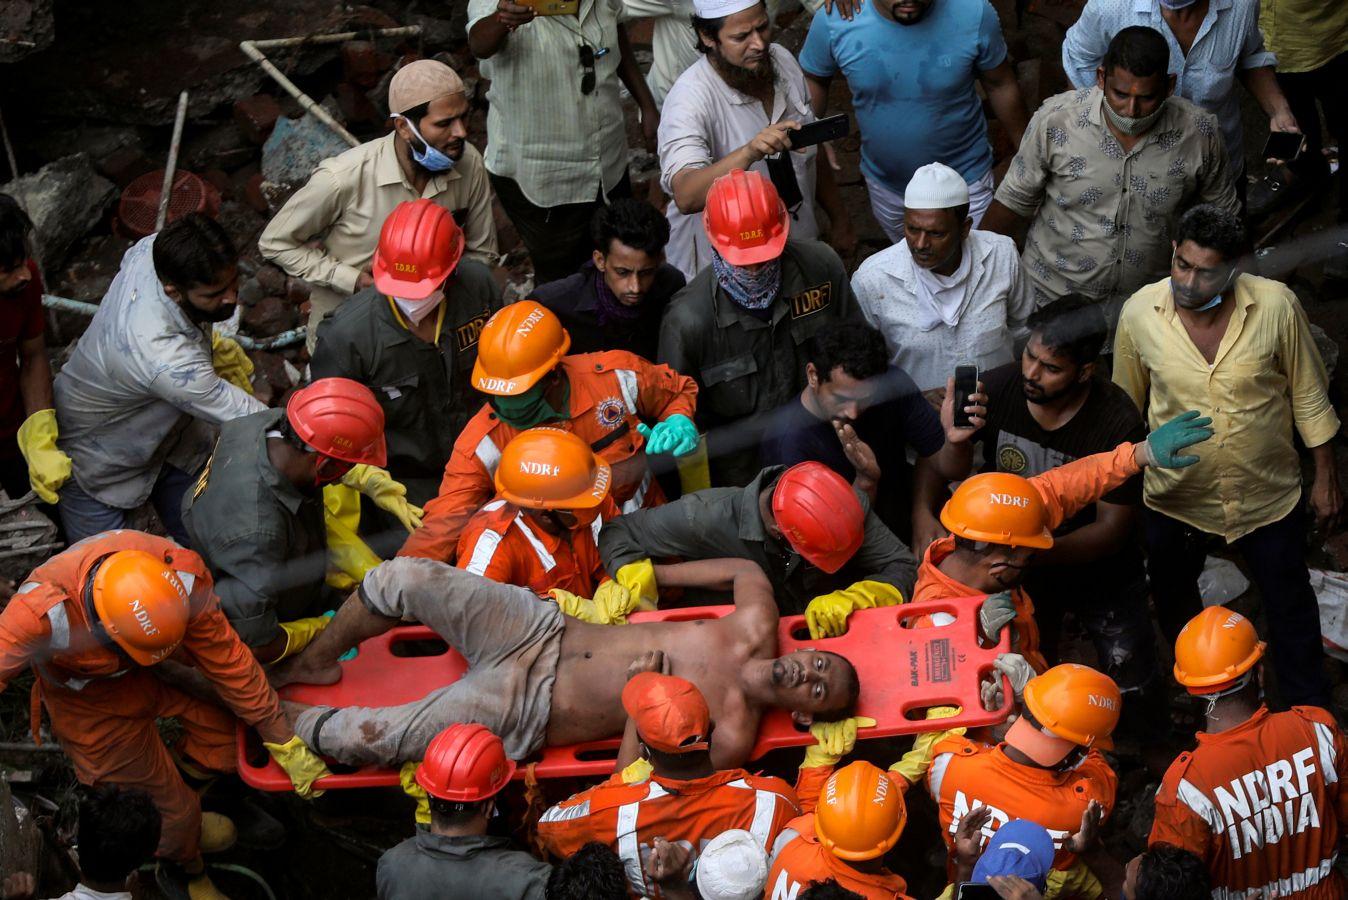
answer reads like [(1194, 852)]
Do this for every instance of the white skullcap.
[(715, 9), (936, 186), (733, 866)]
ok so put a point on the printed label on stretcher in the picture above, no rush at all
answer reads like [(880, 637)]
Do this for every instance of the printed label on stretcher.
[(944, 666)]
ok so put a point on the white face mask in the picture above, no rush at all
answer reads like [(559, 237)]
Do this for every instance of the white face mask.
[(416, 310)]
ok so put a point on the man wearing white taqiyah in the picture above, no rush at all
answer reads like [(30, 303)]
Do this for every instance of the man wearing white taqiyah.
[(946, 295), (716, 118)]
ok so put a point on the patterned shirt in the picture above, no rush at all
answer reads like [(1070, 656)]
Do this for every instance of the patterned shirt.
[(1228, 42), (1100, 213), (557, 142)]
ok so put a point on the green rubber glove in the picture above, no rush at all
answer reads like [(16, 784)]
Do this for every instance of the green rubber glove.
[(301, 764), (1185, 430), (676, 435), (833, 741)]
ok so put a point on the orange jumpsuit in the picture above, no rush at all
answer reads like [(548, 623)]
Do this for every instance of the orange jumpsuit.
[(611, 393), (965, 775), (1066, 490), (804, 861), (501, 544), (1263, 804), (629, 817), (103, 706)]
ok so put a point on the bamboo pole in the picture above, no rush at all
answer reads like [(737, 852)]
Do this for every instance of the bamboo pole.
[(171, 168)]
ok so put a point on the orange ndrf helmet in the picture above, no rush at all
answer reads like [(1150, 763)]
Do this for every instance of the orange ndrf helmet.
[(1215, 650), (142, 604), (998, 508), (518, 346), (548, 468), (860, 813)]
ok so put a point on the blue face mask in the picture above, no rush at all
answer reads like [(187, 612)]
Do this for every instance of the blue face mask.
[(429, 158)]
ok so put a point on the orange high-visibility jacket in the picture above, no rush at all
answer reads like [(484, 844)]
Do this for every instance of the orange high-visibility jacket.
[(611, 393), (965, 775), (1263, 804), (804, 861), (46, 626), (501, 544), (629, 817)]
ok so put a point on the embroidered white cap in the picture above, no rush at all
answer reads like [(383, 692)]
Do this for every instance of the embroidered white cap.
[(733, 866), (936, 186), (715, 9)]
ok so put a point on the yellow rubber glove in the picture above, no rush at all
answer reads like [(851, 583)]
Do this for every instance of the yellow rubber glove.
[(343, 503), (349, 558), (833, 741), (576, 606), (613, 603), (387, 494), (301, 764), (639, 579), (827, 614), (231, 362), (640, 770), (48, 467), (915, 763), (299, 633), (694, 471), (407, 777), (1078, 882)]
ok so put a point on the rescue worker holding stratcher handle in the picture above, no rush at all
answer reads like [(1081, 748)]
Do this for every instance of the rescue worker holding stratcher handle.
[(258, 519), (606, 398), (552, 495), (92, 622)]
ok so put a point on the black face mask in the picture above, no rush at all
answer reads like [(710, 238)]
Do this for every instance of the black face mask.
[(202, 317)]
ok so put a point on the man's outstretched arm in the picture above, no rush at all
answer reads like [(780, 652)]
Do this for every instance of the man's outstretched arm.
[(752, 590)]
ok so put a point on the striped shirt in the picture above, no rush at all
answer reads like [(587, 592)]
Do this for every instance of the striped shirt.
[(559, 144)]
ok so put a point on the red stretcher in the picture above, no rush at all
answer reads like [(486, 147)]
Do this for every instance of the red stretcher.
[(903, 671)]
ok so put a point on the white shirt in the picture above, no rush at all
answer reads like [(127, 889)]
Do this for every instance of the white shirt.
[(987, 331), (83, 892), (558, 144), (704, 120)]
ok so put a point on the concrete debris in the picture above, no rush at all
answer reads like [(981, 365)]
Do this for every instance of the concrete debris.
[(295, 148), (65, 199), (256, 116), (26, 26)]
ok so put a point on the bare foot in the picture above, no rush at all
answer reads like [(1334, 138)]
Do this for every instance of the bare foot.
[(303, 670)]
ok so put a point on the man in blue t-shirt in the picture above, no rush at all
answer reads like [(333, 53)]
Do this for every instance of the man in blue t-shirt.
[(911, 66), (859, 416)]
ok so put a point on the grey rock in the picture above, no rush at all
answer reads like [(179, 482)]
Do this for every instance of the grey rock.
[(65, 199), (296, 147), (28, 26)]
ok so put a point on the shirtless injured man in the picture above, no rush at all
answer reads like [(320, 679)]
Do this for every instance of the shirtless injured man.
[(538, 678)]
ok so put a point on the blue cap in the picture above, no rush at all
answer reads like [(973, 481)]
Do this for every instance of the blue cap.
[(1019, 847)]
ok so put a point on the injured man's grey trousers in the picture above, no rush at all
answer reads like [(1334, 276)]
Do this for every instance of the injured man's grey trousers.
[(511, 639)]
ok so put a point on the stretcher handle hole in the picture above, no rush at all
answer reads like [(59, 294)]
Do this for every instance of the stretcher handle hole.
[(417, 647), (594, 754)]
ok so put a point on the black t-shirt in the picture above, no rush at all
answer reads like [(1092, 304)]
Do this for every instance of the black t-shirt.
[(903, 419), (1014, 442)]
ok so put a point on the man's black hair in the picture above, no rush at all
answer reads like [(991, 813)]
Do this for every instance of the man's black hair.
[(829, 890), (119, 831), (708, 28), (1167, 872), (14, 228), (452, 813), (858, 349), (594, 872), (193, 251), (1073, 326), (417, 113), (848, 708), (632, 222), (1212, 228), (1139, 50)]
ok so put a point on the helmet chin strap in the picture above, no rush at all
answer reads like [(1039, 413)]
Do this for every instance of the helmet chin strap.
[(1236, 688)]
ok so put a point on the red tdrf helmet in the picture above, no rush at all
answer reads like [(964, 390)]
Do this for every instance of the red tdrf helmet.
[(819, 515), (745, 219), (419, 246), (465, 763), (340, 418)]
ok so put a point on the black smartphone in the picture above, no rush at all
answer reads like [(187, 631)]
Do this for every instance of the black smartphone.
[(818, 131), (966, 384), (1284, 145), (967, 891)]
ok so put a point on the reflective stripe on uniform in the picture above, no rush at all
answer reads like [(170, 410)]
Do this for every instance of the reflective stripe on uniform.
[(483, 551), (1328, 758), (28, 586), (936, 773), (634, 503), (561, 813), (60, 627), (187, 578), (544, 556), (1281, 887), (631, 388), (765, 807), (1200, 805), (488, 454), (629, 843)]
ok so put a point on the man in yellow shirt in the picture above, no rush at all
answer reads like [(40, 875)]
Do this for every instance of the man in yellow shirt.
[(1238, 348)]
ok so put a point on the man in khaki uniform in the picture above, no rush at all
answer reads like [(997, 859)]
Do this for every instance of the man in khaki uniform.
[(345, 202)]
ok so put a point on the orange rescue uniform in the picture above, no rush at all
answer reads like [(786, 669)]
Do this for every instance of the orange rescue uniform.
[(804, 861), (500, 543), (965, 775), (611, 394), (103, 706), (1066, 490), (629, 817), (1263, 803)]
